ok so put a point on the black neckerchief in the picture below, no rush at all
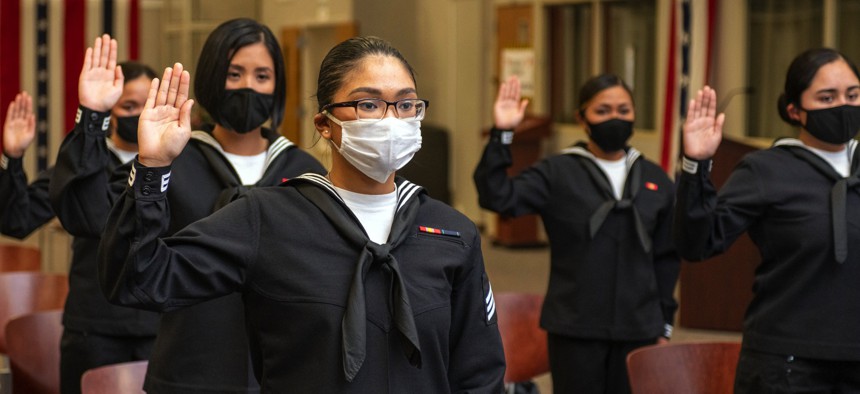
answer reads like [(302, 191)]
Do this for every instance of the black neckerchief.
[(319, 191), (839, 192), (631, 189), (231, 183)]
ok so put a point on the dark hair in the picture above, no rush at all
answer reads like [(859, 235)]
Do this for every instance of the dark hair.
[(132, 70), (344, 57), (597, 84), (800, 74), (219, 49)]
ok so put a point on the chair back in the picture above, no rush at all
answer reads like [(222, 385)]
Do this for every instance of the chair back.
[(34, 352), (26, 292), (694, 368), (17, 257), (524, 341), (123, 378)]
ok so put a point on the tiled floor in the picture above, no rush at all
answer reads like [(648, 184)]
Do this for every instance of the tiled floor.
[(527, 270)]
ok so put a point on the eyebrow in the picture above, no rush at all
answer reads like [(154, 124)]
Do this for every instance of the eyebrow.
[(831, 91), (364, 89), (240, 68)]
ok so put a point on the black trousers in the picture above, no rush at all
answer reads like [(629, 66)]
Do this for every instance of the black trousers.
[(80, 351), (584, 366), (765, 373)]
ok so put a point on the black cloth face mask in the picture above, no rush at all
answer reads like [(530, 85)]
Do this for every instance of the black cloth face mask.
[(243, 110), (836, 125), (611, 135), (126, 127)]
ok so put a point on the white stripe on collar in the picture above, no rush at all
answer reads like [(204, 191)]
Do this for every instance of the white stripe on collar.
[(852, 144), (279, 145), (405, 190), (632, 154)]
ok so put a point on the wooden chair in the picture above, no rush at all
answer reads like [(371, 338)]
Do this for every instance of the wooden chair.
[(123, 378), (17, 257), (34, 352), (27, 292), (694, 368), (524, 341)]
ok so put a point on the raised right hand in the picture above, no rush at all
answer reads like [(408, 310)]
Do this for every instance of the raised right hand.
[(101, 80), (703, 128), (20, 126), (509, 108), (165, 123)]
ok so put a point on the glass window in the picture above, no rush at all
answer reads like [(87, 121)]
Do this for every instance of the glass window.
[(569, 52), (629, 46), (848, 36), (778, 31), (628, 49)]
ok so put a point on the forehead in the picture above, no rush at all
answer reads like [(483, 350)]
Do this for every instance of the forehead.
[(256, 55), (834, 75), (138, 87), (384, 73), (615, 95)]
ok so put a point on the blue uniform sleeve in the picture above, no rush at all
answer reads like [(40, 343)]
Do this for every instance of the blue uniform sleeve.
[(477, 357), (205, 260), (707, 224), (23, 208), (522, 194)]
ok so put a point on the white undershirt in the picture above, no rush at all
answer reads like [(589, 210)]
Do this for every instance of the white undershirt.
[(374, 211), (250, 168), (838, 160), (124, 156), (616, 170)]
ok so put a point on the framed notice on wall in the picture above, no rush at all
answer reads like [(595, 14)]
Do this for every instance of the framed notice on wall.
[(520, 62)]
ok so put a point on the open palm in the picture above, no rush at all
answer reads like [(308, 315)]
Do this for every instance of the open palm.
[(20, 126), (101, 81), (165, 123), (509, 108), (703, 128)]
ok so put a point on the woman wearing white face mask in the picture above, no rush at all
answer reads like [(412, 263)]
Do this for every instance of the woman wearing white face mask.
[(353, 283)]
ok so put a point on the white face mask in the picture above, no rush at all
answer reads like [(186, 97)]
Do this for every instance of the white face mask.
[(377, 148)]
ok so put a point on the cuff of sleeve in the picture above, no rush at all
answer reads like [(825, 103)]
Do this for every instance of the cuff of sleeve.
[(10, 163), (148, 183), (92, 121), (692, 166), (505, 137), (667, 331)]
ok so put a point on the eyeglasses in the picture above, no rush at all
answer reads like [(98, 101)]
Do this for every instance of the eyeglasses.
[(374, 108)]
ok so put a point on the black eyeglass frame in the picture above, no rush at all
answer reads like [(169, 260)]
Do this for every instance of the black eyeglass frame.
[(354, 105)]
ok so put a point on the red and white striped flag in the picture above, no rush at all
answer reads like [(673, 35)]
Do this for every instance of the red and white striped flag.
[(43, 47), (690, 39)]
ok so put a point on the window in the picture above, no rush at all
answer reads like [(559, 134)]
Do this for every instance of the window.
[(779, 30), (625, 45)]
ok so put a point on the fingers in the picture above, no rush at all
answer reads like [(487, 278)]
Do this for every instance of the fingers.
[(151, 96), (185, 114), (97, 52), (173, 86), (118, 77), (523, 105), (105, 51), (161, 98), (111, 60), (88, 59), (184, 86), (718, 125)]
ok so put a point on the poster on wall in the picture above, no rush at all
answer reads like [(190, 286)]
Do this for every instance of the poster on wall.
[(520, 62)]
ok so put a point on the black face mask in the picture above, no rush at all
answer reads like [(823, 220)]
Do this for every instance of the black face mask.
[(126, 128), (243, 110), (611, 135), (836, 125)]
